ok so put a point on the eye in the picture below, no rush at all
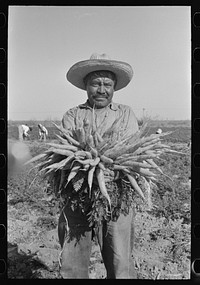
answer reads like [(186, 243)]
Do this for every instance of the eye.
[(109, 84), (94, 84)]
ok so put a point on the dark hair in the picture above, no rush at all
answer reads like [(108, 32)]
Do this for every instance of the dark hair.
[(101, 73)]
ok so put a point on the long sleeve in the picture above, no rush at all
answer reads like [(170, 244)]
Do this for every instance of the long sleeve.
[(68, 119), (131, 123)]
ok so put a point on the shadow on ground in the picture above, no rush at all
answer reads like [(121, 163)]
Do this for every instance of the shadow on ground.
[(28, 266)]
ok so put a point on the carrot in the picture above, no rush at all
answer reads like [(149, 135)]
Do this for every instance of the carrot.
[(151, 142), (72, 140), (49, 151), (90, 141), (67, 135), (99, 138), (94, 152), (41, 164), (143, 149), (63, 146), (101, 166), (90, 178), (88, 154), (110, 172), (106, 159), (79, 157), (124, 157), (84, 162), (73, 173), (95, 161), (174, 151), (78, 121), (95, 140), (63, 152), (150, 161), (61, 129), (102, 186), (63, 140), (150, 152), (146, 172), (81, 153), (103, 146), (86, 126), (162, 146), (159, 169), (135, 185), (68, 160), (154, 136), (58, 127), (57, 165), (127, 139), (130, 163), (81, 136), (121, 149), (54, 158), (35, 158), (86, 167), (108, 179), (120, 167), (136, 158)]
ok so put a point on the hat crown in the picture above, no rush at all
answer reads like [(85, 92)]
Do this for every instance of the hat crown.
[(100, 56)]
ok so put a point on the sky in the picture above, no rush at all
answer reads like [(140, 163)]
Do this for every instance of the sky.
[(45, 41)]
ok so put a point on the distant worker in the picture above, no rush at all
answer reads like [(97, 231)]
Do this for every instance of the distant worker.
[(43, 133), (159, 131), (23, 132)]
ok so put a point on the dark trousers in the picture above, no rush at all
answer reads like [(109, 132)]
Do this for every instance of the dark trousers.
[(115, 239)]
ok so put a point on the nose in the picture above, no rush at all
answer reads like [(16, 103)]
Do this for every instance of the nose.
[(101, 89)]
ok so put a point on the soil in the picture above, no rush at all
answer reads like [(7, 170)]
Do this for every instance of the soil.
[(33, 247)]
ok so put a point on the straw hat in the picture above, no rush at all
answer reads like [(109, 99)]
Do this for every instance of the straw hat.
[(79, 70)]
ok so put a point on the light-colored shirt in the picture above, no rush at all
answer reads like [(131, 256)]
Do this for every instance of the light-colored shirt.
[(104, 117), (42, 129), (25, 130)]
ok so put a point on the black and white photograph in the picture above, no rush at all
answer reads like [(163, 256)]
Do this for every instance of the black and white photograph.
[(99, 142)]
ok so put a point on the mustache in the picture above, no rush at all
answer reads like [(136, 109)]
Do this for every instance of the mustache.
[(98, 95)]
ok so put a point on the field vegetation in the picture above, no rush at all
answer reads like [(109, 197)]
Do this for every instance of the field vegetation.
[(162, 238)]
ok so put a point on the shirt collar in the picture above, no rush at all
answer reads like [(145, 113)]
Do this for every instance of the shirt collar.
[(113, 106)]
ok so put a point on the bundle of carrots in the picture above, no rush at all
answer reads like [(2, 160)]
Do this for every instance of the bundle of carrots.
[(102, 157)]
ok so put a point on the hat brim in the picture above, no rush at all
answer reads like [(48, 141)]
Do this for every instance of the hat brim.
[(78, 71)]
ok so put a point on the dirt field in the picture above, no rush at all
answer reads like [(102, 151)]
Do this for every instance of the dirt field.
[(162, 246)]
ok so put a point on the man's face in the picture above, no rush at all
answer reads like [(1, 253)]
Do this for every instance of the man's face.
[(100, 89)]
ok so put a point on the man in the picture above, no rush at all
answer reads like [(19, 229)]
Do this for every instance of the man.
[(23, 132), (100, 77), (43, 133)]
